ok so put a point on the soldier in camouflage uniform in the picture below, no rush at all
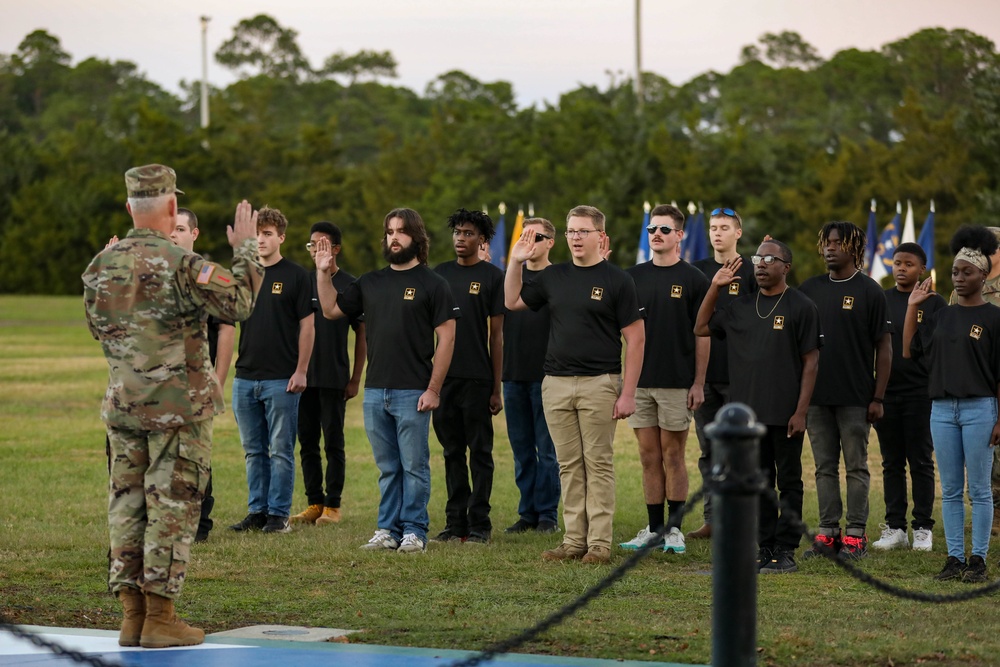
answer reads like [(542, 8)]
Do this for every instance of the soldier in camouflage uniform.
[(146, 300)]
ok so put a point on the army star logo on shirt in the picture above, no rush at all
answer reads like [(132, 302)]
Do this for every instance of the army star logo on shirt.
[(848, 303), (474, 288), (276, 288), (409, 293), (779, 322), (920, 316), (676, 291), (734, 289), (976, 332), (597, 293)]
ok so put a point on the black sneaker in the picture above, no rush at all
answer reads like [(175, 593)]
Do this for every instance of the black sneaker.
[(822, 546), (201, 536), (277, 524), (479, 537), (975, 571), (782, 562), (253, 521), (547, 527), (853, 548), (953, 569), (764, 555), (449, 535), (521, 526)]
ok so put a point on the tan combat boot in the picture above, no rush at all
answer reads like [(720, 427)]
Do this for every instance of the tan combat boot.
[(330, 515), (162, 627), (133, 615), (308, 515)]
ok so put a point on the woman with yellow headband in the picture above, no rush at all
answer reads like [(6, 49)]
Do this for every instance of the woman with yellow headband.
[(961, 345)]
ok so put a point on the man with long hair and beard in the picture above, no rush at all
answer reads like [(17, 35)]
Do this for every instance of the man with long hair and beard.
[(405, 305)]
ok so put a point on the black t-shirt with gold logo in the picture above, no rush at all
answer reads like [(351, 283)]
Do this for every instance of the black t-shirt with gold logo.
[(478, 292), (401, 309), (962, 347), (909, 376), (718, 363)]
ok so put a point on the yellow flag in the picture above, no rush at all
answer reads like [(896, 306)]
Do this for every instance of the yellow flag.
[(518, 230)]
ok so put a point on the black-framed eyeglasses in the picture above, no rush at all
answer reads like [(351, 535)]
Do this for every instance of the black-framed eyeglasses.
[(728, 212), (664, 229), (767, 259), (540, 237)]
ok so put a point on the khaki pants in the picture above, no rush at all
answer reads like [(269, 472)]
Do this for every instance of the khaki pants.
[(578, 412)]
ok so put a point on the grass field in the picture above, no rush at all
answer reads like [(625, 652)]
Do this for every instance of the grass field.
[(53, 541)]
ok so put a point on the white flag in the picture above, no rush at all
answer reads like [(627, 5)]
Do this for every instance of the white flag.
[(909, 236)]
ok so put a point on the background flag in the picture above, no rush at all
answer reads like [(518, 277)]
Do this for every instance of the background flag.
[(887, 242), (642, 255), (694, 246), (498, 245), (909, 236), (518, 230), (872, 238), (926, 240)]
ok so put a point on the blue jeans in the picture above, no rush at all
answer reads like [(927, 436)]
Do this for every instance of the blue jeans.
[(267, 417), (961, 429), (536, 470), (398, 435)]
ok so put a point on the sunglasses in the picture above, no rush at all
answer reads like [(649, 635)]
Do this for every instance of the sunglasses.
[(663, 229), (728, 212), (767, 259), (541, 237)]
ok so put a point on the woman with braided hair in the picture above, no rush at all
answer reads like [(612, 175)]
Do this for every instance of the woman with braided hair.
[(961, 344)]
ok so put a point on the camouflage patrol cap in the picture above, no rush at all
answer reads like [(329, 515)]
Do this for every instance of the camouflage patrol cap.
[(151, 180)]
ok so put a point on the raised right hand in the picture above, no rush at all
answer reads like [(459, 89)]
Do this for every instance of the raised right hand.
[(727, 273), (525, 245), (324, 255), (921, 292), (244, 224)]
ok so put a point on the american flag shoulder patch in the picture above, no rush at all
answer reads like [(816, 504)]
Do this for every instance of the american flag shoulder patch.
[(205, 274)]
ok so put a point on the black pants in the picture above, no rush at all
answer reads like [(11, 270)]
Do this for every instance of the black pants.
[(321, 412), (463, 423), (904, 436), (716, 395), (781, 464)]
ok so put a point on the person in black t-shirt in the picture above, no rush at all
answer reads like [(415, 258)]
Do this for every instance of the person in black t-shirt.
[(275, 346), (853, 373), (470, 396), (672, 381), (592, 305), (961, 343), (904, 432), (405, 305), (331, 383), (724, 229), (773, 360), (536, 469)]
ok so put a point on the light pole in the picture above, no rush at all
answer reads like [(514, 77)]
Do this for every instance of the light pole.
[(204, 71), (638, 52)]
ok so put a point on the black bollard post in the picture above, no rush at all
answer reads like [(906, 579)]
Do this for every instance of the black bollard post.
[(735, 436)]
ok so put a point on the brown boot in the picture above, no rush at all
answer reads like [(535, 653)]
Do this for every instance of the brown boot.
[(162, 627), (703, 533), (330, 515), (134, 614)]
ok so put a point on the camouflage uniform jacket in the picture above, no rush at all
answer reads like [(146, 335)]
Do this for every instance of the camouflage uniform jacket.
[(146, 300)]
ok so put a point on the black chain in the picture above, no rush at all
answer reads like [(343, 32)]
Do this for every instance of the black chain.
[(56, 648), (523, 637)]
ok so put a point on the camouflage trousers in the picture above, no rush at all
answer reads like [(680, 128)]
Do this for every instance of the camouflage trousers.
[(156, 485)]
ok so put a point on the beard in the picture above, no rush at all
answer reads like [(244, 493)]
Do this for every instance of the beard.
[(402, 256)]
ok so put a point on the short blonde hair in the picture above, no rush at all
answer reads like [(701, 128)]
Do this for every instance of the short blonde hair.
[(584, 211), (549, 228)]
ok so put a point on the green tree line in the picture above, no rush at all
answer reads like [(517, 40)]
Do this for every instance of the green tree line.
[(787, 138)]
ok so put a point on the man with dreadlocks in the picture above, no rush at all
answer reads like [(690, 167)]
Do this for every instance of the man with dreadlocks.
[(470, 395), (850, 387)]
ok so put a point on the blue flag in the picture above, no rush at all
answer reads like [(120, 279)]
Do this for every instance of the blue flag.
[(498, 245), (872, 239), (887, 242), (642, 255), (694, 246), (926, 240)]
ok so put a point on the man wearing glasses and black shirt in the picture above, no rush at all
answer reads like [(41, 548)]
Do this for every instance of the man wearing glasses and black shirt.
[(725, 228), (672, 381), (773, 362), (593, 304), (470, 396)]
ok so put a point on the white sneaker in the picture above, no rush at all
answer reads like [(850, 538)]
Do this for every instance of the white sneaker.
[(892, 538), (411, 544), (645, 536), (673, 542), (382, 539), (923, 539)]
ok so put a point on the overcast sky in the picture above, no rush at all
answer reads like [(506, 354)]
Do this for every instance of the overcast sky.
[(543, 47)]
